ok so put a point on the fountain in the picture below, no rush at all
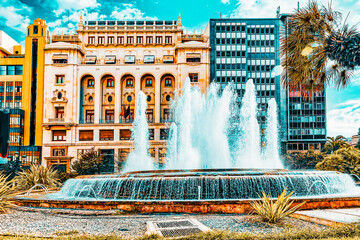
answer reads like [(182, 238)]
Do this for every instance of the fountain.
[(216, 162)]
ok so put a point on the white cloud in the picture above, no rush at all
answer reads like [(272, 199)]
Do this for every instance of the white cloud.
[(345, 119), (55, 24), (129, 12), (225, 1), (15, 17), (77, 4)]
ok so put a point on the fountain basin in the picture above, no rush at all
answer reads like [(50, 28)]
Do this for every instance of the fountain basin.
[(198, 191)]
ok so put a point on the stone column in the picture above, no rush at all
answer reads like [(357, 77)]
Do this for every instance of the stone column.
[(97, 103), (157, 98), (117, 98)]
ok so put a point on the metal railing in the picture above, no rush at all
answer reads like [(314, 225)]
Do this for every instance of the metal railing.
[(56, 119), (86, 121), (106, 121)]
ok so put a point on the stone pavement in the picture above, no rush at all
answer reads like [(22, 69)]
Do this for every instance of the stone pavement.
[(330, 216)]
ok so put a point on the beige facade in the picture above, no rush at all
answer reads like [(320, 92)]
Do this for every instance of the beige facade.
[(92, 80)]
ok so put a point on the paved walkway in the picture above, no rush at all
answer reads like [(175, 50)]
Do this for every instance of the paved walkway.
[(330, 216)]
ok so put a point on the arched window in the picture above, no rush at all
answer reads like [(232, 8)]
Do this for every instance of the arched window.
[(148, 82), (129, 82), (168, 82), (91, 83), (110, 82)]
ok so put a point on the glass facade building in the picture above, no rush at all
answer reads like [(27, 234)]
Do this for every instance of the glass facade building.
[(243, 49)]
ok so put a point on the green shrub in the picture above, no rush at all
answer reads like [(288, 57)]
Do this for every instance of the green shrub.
[(273, 211), (303, 160), (88, 163), (37, 174), (63, 176), (345, 160), (6, 193)]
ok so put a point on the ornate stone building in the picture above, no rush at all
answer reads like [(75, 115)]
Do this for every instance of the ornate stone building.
[(92, 80)]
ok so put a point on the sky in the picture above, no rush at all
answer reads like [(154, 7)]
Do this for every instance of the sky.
[(62, 16)]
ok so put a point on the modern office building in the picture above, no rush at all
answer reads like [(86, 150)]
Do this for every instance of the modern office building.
[(93, 79), (306, 116), (243, 49), (21, 78)]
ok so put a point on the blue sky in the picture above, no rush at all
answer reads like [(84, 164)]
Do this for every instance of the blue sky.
[(62, 16)]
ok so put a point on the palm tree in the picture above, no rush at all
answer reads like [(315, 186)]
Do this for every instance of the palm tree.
[(332, 144), (318, 50)]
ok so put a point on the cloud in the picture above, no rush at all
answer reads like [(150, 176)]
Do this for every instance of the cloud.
[(345, 119), (129, 12), (15, 17), (225, 1), (77, 4)]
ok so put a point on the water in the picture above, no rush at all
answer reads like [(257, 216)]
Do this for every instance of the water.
[(140, 158), (219, 185), (271, 154), (249, 154)]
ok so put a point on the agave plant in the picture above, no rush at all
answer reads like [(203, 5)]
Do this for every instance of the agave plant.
[(38, 174), (273, 211), (6, 193), (318, 49)]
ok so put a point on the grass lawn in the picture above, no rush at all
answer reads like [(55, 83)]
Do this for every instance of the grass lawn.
[(345, 232)]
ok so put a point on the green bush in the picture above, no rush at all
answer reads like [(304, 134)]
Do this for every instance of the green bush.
[(273, 211), (303, 160), (63, 176), (345, 160), (37, 174), (88, 163), (6, 193)]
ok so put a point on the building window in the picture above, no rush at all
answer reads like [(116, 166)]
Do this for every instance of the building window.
[(130, 40), (125, 134), (89, 116), (59, 152), (168, 82), (59, 135), (18, 70), (109, 116), (193, 57), (149, 40), (101, 40), (150, 115), (139, 40), (36, 29), (106, 135), (110, 82), (86, 135), (3, 70), (158, 39), (120, 40), (59, 79), (110, 40), (129, 82), (168, 39), (151, 134), (91, 40), (10, 70), (193, 77), (59, 112), (148, 82), (90, 83)]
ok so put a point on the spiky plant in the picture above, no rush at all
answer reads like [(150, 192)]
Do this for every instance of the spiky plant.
[(334, 143), (6, 193), (317, 50), (38, 174), (273, 211)]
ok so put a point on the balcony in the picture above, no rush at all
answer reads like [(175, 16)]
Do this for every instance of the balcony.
[(86, 121), (106, 121), (55, 120), (166, 120)]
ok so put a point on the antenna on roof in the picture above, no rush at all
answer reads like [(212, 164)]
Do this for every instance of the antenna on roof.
[(298, 6)]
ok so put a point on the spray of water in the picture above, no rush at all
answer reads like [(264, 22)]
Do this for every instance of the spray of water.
[(140, 159)]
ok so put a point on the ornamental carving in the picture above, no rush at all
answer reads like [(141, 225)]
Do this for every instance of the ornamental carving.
[(59, 96)]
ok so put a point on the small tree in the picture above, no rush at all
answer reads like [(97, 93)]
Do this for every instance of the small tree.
[(88, 163), (304, 160), (345, 160), (333, 144)]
